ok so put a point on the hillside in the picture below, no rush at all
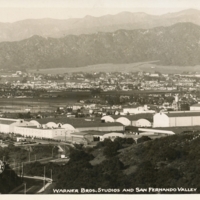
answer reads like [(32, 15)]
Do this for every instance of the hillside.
[(168, 162), (109, 23), (174, 45)]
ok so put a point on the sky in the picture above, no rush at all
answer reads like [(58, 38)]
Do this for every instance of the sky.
[(15, 10)]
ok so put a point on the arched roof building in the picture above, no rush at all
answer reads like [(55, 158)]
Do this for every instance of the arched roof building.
[(34, 122), (107, 118), (178, 118), (123, 120), (68, 127), (143, 123), (51, 125), (160, 120)]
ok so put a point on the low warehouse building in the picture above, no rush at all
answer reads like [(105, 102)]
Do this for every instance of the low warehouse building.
[(99, 126), (81, 138), (36, 132), (174, 119), (195, 107), (8, 125), (111, 136), (102, 136), (131, 129), (137, 110), (139, 120), (155, 131)]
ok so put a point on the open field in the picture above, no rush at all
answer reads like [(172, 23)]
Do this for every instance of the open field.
[(18, 105), (37, 104), (130, 67)]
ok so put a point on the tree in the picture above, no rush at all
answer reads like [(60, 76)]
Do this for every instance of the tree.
[(111, 149), (77, 155), (143, 139), (8, 180), (130, 141)]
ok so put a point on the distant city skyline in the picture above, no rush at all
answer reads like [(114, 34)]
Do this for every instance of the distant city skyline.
[(16, 10)]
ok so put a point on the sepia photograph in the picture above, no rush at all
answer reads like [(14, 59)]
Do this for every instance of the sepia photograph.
[(99, 97)]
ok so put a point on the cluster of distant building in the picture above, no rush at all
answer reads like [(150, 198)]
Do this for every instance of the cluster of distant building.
[(87, 130), (104, 81)]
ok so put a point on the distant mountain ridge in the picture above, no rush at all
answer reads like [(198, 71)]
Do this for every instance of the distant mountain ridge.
[(109, 23), (178, 44)]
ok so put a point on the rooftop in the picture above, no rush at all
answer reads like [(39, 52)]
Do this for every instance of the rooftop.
[(179, 129), (182, 114), (78, 122), (8, 122), (35, 127), (195, 105), (95, 124), (147, 116), (64, 120)]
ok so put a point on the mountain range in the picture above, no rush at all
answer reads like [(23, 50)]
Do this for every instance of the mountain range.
[(178, 44), (109, 23)]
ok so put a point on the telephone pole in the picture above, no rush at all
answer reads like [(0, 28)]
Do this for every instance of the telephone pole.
[(44, 178), (24, 187), (29, 156), (22, 170)]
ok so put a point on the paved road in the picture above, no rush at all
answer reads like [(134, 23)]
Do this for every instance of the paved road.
[(33, 185), (43, 160)]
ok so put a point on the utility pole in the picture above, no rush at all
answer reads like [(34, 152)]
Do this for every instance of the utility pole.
[(52, 151), (29, 156), (22, 170), (51, 174), (19, 168), (65, 143), (24, 187), (14, 163), (44, 177)]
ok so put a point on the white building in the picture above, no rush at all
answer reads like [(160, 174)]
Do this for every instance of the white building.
[(195, 107), (124, 120), (40, 132), (8, 125), (138, 110), (174, 119), (107, 118), (142, 123), (129, 120), (111, 136)]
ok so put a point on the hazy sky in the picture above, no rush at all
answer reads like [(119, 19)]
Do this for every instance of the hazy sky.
[(14, 10)]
